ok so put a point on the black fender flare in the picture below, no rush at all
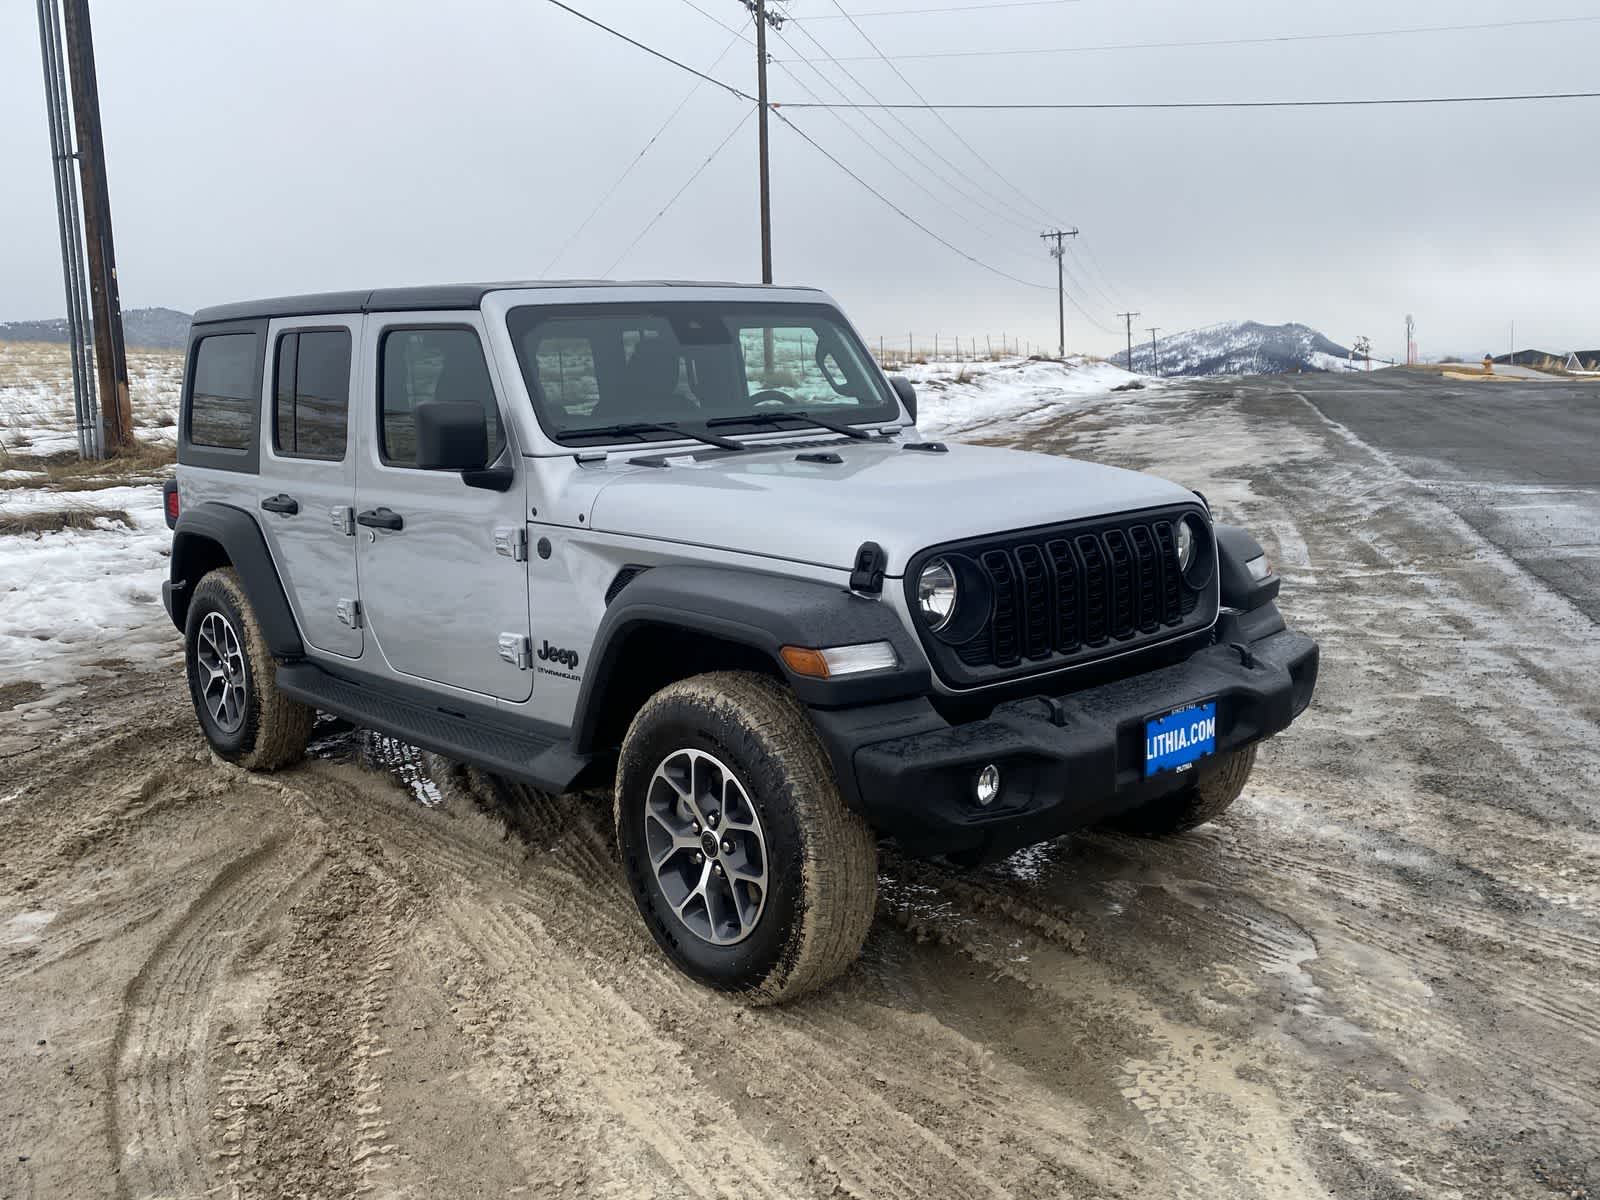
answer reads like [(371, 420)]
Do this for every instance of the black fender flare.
[(1235, 548), (758, 611), (240, 540)]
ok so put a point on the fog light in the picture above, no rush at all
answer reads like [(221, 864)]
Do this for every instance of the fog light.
[(988, 790)]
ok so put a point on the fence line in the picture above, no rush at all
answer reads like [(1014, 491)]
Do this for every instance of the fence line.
[(912, 347)]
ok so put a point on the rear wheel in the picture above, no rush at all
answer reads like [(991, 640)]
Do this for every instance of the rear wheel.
[(749, 870), (1204, 799), (233, 680)]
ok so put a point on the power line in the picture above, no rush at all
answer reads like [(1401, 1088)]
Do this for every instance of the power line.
[(698, 171), (999, 214), (637, 159), (682, 66), (951, 129), (955, 8), (1202, 104), (1262, 40), (902, 212)]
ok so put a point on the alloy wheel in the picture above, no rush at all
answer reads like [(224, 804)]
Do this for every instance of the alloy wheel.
[(706, 846), (220, 656)]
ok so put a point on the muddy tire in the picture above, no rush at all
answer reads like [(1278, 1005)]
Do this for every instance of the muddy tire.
[(749, 870), (1205, 799), (233, 680)]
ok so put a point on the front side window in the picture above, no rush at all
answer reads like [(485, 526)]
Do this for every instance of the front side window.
[(419, 365), (227, 388), (592, 368), (311, 393)]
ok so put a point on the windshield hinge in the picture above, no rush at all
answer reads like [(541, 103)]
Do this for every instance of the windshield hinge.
[(867, 577)]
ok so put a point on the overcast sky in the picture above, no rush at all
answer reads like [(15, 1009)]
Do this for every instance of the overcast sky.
[(263, 148)]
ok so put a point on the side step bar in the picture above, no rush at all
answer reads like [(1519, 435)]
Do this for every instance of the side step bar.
[(542, 762)]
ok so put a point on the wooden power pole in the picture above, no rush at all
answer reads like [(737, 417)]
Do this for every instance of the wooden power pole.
[(1058, 252), (1155, 354), (1128, 317), (110, 353)]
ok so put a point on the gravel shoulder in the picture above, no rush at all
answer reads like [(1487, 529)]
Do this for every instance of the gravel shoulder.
[(1376, 976)]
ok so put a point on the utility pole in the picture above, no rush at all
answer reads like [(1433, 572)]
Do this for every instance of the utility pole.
[(1057, 252), (758, 9), (1155, 355), (1411, 340), (1128, 317), (110, 354), (69, 219)]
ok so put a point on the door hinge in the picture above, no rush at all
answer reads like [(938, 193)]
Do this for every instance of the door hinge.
[(512, 542), (343, 519), (516, 650), (349, 612)]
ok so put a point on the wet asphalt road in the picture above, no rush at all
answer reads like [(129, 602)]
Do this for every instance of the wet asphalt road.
[(1519, 462)]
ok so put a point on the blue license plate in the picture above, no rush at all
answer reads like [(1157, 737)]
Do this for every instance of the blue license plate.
[(1180, 739)]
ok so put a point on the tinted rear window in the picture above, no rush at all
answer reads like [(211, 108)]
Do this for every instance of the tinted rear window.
[(226, 391), (311, 399)]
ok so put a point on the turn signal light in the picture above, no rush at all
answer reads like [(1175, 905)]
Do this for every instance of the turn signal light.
[(839, 660)]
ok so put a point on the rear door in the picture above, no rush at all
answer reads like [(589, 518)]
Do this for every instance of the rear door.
[(443, 566), (308, 476)]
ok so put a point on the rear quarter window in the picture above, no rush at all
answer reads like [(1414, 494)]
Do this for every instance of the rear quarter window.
[(226, 393)]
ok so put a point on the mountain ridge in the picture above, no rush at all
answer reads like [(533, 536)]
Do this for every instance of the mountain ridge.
[(142, 329), (1242, 348)]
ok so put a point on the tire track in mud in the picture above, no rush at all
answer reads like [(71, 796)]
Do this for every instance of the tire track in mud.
[(558, 934), (159, 1080)]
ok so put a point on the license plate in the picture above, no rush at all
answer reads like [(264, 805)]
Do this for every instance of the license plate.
[(1178, 740)]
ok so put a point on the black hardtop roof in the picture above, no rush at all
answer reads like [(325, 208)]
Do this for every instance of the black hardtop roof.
[(430, 297)]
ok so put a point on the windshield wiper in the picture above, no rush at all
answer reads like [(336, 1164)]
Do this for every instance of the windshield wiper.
[(635, 428), (769, 418)]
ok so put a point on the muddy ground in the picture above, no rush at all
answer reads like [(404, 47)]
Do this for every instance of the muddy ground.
[(1376, 976)]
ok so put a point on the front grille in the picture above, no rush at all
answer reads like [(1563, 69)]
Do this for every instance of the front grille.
[(1063, 596)]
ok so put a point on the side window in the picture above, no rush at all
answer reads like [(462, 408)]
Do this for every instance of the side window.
[(227, 388), (311, 395), (418, 365)]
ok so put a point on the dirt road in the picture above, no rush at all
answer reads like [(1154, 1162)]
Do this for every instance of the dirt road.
[(1376, 977)]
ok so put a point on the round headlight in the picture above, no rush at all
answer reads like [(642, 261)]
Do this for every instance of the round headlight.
[(1186, 540), (936, 594)]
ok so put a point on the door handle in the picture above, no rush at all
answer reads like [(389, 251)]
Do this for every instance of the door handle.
[(287, 505), (380, 518)]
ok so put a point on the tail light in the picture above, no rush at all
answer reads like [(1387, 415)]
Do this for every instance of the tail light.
[(170, 502)]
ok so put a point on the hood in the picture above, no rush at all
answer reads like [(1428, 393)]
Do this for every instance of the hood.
[(772, 504)]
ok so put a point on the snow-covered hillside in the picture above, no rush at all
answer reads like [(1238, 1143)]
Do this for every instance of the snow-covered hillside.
[(953, 397), (1243, 348)]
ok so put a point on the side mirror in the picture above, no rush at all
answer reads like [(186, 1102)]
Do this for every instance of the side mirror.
[(907, 393), (452, 435)]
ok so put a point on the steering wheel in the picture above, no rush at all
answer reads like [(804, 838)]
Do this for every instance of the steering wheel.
[(770, 397)]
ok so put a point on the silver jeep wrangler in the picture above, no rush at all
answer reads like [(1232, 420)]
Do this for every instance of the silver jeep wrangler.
[(683, 541)]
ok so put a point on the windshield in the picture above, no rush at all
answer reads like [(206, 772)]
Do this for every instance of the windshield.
[(594, 368)]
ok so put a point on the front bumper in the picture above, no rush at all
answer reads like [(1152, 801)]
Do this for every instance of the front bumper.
[(1065, 762)]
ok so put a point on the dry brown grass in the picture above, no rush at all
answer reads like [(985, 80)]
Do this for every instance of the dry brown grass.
[(64, 471), (53, 520)]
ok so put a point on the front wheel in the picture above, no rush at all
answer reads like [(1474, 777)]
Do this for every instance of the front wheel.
[(1204, 799), (749, 870)]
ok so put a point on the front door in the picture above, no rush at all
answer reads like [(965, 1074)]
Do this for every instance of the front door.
[(443, 566), (308, 477)]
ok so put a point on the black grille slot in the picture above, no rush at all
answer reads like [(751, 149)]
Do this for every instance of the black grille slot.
[(1122, 583), (1171, 600), (1036, 632), (1096, 617), (1003, 632), (1068, 579), (1148, 610)]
